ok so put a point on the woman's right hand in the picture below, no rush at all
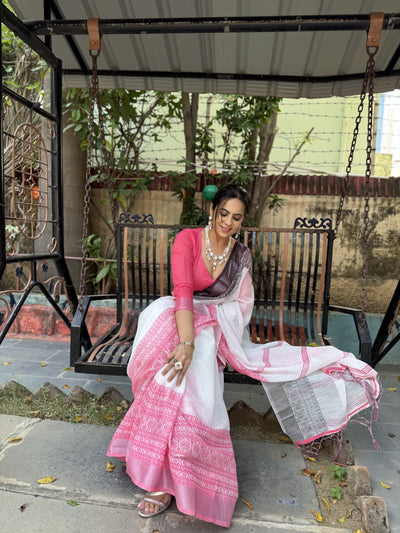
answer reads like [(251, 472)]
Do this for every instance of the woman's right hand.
[(183, 354)]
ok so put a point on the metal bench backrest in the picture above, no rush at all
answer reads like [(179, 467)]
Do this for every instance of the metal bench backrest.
[(291, 276)]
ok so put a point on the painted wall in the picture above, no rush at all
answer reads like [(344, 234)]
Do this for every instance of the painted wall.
[(384, 243)]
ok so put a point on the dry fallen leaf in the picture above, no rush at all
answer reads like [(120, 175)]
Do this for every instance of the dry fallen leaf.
[(65, 386), (110, 467), (8, 363), (350, 512), (248, 504), (283, 455), (326, 503), (99, 380), (107, 416), (310, 458), (314, 344), (307, 471), (46, 480), (341, 520), (15, 439), (391, 389), (78, 419), (68, 368), (317, 516), (284, 438), (343, 484), (43, 364), (317, 477), (384, 485), (23, 507), (118, 408)]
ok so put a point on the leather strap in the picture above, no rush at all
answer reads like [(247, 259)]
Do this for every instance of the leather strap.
[(375, 28), (94, 34)]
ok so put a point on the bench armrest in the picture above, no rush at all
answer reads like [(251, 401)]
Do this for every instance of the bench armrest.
[(364, 336), (79, 334)]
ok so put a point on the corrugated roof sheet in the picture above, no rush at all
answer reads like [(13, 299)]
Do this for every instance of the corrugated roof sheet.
[(225, 62)]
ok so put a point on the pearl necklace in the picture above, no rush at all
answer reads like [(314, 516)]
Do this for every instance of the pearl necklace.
[(211, 256)]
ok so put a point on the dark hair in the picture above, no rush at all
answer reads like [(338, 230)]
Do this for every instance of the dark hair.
[(227, 192)]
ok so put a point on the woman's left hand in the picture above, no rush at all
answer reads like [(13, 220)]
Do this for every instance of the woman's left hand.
[(183, 354)]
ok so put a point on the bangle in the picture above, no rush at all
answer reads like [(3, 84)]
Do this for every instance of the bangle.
[(187, 343)]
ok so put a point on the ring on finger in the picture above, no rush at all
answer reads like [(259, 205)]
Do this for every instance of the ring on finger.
[(177, 364)]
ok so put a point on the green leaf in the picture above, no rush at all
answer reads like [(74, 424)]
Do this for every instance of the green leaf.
[(103, 272), (72, 503)]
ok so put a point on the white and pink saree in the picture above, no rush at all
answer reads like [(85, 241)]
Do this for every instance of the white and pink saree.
[(176, 439)]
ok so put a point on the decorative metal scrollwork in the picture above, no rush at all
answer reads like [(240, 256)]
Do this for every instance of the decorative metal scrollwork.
[(313, 223), (30, 181), (128, 218)]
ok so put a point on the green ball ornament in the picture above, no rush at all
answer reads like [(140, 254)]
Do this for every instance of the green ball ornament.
[(209, 192)]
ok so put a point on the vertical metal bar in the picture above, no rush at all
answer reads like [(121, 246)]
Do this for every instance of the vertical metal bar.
[(169, 261), (260, 269), (300, 327), (120, 263), (246, 238), (327, 288), (47, 16), (140, 272), (274, 286), (2, 190), (147, 265), (133, 270), (307, 310), (321, 288), (154, 296), (283, 285), (267, 289), (292, 337), (162, 262), (313, 328)]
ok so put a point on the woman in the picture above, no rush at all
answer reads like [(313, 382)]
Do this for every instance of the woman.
[(175, 437)]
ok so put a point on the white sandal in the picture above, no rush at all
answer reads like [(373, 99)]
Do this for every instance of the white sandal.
[(162, 506)]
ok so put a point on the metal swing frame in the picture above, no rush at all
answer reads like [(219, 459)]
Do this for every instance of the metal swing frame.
[(37, 199), (385, 340)]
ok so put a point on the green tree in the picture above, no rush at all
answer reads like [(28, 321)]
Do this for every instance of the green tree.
[(252, 119), (128, 120)]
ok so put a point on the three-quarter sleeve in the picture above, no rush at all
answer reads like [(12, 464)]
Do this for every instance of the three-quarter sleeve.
[(182, 270)]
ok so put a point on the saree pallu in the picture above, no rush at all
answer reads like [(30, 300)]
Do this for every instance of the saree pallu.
[(176, 439)]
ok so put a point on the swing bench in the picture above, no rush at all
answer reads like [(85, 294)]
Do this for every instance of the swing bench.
[(291, 278), (291, 272)]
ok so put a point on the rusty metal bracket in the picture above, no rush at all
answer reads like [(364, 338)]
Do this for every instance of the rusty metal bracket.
[(374, 32)]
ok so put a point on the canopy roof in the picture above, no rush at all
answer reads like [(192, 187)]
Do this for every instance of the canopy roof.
[(313, 48)]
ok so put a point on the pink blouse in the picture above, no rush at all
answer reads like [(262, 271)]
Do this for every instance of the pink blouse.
[(189, 273)]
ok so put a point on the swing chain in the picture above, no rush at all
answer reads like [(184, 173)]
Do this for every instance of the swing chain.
[(367, 83), (94, 96), (368, 162), (352, 147)]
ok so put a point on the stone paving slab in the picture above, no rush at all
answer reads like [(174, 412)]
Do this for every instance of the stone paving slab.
[(45, 515), (75, 455)]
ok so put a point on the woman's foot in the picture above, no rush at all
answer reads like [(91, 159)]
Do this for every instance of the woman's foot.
[(154, 503)]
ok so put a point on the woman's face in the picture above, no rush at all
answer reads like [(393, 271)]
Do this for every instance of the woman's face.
[(228, 217)]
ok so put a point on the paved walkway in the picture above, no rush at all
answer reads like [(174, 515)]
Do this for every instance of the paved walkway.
[(75, 454)]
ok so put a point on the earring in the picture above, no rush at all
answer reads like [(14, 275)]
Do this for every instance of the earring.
[(210, 221), (238, 234)]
